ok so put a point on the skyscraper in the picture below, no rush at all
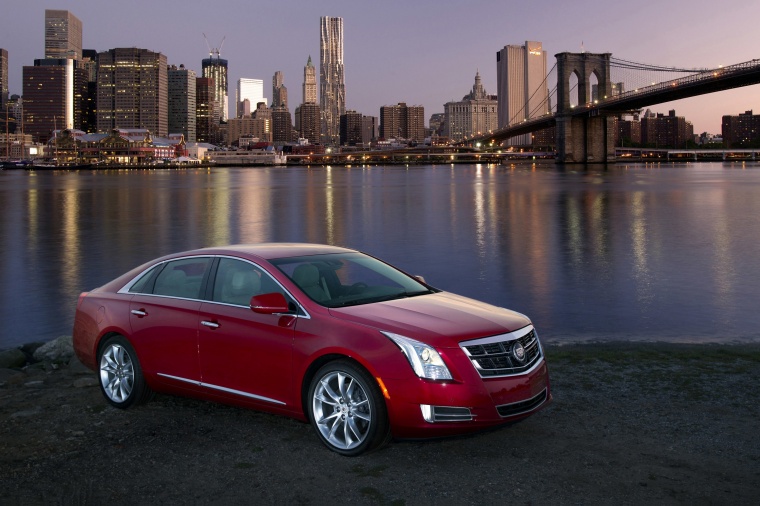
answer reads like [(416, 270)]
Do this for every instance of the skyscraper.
[(332, 89), (251, 90), (182, 95), (309, 83), (206, 115), (63, 35), (521, 85), (279, 91), (3, 78), (133, 90), (215, 68), (475, 114), (54, 94)]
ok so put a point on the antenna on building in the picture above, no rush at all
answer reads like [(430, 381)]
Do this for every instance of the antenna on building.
[(217, 51)]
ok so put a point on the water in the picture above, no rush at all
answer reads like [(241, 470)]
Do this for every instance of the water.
[(638, 252)]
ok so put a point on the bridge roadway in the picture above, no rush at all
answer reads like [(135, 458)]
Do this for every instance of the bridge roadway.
[(708, 81)]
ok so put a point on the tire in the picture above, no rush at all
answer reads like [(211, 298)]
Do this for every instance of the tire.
[(347, 409), (121, 377)]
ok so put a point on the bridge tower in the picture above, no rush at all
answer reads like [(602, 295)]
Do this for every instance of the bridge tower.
[(588, 138)]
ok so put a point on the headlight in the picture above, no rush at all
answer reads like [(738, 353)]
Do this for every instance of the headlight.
[(425, 361)]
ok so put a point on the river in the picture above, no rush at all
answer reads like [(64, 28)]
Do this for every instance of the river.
[(664, 252)]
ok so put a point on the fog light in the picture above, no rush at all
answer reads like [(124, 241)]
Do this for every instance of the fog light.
[(427, 412)]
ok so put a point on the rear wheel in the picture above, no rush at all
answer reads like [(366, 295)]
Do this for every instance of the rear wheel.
[(347, 410), (121, 377)]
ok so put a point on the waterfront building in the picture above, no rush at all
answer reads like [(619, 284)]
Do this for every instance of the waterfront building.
[(309, 86), (279, 91), (282, 125), (55, 91), (402, 122), (215, 67), (257, 125), (370, 129), (436, 124), (308, 122), (351, 128), (63, 35), (332, 88), (628, 132), (133, 90), (206, 111), (182, 102), (3, 78), (521, 86), (475, 114), (742, 131), (661, 131), (251, 90)]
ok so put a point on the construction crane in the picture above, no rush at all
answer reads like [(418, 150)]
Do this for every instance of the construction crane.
[(217, 50)]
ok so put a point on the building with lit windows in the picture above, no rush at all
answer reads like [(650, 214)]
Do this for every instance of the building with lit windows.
[(742, 131), (475, 114), (401, 121), (55, 92), (182, 107), (63, 35), (351, 128), (206, 111), (133, 90), (332, 87), (215, 68), (521, 86)]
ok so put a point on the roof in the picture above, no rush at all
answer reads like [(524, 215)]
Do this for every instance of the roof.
[(270, 251)]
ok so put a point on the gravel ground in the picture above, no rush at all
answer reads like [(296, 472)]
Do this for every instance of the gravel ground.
[(630, 424)]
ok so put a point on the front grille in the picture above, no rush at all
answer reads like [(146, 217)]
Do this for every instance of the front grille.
[(493, 357), (517, 408)]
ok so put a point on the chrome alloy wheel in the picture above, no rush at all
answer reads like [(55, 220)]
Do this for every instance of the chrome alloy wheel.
[(117, 374), (342, 411)]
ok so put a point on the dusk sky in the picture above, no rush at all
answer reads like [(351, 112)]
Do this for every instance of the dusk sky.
[(422, 52)]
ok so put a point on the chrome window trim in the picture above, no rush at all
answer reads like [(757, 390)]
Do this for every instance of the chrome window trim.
[(125, 288), (223, 389)]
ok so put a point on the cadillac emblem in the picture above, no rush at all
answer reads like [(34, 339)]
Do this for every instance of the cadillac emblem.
[(518, 352)]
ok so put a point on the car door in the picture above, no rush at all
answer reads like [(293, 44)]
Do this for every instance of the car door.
[(164, 320), (244, 354)]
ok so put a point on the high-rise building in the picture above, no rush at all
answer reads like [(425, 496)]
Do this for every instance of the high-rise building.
[(402, 122), (351, 128), (661, 131), (90, 65), (475, 114), (63, 35), (133, 90), (215, 67), (282, 125), (308, 122), (206, 112), (742, 131), (370, 129), (3, 78), (182, 107), (521, 86), (279, 91), (251, 90), (309, 83), (332, 88), (54, 95)]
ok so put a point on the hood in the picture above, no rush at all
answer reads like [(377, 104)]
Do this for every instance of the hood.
[(439, 319)]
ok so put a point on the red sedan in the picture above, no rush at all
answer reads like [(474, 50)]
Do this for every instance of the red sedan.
[(360, 349)]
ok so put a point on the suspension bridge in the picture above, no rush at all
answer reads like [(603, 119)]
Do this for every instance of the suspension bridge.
[(592, 88)]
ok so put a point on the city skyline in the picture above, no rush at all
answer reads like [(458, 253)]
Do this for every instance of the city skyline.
[(412, 52)]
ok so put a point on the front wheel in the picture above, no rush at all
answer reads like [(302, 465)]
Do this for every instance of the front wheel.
[(347, 410), (121, 377)]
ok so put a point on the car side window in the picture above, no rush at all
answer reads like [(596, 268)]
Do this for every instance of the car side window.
[(238, 281), (182, 278)]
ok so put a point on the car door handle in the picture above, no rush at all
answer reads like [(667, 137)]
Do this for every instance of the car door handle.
[(139, 312), (212, 325)]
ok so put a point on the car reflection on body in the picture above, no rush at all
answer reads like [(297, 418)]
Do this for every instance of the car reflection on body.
[(360, 349)]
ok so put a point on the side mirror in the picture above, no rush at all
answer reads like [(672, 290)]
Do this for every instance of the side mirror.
[(269, 303)]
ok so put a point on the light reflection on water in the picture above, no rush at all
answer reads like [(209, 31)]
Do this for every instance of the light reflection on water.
[(635, 252)]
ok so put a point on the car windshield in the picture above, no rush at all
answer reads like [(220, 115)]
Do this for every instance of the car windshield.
[(349, 279)]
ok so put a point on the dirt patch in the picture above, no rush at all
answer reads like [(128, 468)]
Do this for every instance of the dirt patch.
[(630, 424)]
